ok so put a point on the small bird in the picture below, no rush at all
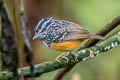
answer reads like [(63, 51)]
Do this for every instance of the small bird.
[(61, 35)]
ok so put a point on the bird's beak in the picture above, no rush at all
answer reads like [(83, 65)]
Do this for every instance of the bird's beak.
[(36, 36)]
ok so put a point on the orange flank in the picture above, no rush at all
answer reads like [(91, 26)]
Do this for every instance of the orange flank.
[(66, 45)]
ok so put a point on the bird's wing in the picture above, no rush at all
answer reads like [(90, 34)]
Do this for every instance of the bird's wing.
[(76, 32)]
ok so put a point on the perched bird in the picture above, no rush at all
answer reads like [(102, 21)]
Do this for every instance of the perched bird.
[(61, 35)]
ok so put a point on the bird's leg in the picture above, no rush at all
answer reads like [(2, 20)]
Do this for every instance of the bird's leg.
[(63, 56), (66, 55)]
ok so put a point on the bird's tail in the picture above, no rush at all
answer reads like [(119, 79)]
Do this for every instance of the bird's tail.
[(97, 37)]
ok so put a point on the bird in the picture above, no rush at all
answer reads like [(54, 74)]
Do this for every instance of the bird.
[(61, 35)]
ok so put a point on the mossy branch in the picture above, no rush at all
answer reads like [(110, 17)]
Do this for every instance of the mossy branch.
[(102, 32), (67, 59)]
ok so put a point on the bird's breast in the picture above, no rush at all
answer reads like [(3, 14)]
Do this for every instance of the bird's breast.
[(66, 45)]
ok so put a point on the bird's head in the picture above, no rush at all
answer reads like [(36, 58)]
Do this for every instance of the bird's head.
[(40, 30)]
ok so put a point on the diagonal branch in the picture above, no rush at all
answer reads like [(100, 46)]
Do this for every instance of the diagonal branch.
[(102, 32), (67, 59)]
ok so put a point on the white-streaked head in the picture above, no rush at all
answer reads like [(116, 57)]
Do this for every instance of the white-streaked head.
[(40, 29)]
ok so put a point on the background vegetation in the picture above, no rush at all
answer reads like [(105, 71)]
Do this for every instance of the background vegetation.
[(91, 14)]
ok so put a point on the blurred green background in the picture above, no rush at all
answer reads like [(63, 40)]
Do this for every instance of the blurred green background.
[(91, 14)]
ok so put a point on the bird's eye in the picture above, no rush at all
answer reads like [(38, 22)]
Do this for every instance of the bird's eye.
[(36, 31), (42, 36)]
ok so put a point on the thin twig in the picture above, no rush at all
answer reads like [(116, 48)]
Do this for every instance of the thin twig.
[(26, 35), (67, 59), (104, 31)]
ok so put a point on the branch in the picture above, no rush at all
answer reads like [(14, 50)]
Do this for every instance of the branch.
[(102, 32), (67, 59)]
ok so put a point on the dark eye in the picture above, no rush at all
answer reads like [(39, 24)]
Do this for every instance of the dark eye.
[(42, 36), (36, 31)]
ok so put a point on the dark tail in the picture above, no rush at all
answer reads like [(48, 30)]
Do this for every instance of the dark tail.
[(97, 37)]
